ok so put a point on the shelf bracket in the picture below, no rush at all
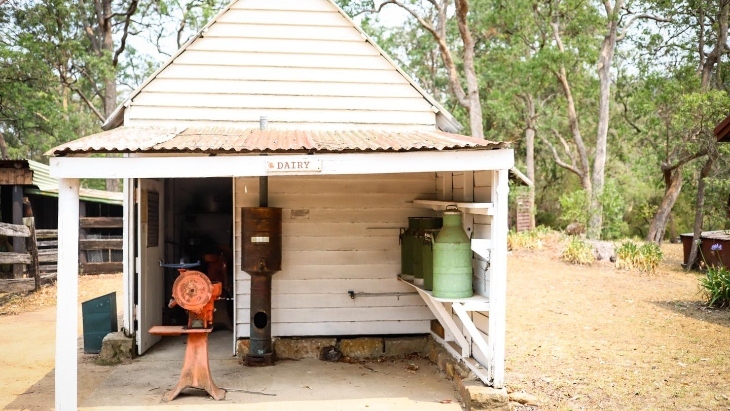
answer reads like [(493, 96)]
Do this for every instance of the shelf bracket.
[(438, 310)]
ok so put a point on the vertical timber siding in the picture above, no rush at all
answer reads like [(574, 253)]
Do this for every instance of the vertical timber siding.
[(299, 62), (340, 234)]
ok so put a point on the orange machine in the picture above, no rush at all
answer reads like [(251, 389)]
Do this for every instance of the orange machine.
[(194, 292)]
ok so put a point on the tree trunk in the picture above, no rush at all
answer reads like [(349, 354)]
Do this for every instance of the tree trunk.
[(3, 147), (530, 156), (699, 211), (714, 57), (605, 61), (472, 84), (673, 182)]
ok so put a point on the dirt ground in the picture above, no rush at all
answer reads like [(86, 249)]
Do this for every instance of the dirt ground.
[(578, 338), (592, 338)]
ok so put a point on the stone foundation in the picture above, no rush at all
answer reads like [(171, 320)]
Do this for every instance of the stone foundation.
[(115, 348)]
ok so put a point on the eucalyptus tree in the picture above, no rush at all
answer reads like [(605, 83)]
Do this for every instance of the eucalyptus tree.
[(690, 53)]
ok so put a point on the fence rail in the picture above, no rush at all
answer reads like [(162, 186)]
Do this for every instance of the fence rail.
[(41, 256)]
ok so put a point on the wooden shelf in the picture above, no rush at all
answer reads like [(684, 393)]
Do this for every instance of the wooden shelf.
[(474, 303), (470, 208)]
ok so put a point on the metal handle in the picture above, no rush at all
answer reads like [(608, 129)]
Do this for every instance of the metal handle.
[(452, 205)]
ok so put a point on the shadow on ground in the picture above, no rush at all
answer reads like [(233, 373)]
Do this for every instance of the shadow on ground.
[(697, 310)]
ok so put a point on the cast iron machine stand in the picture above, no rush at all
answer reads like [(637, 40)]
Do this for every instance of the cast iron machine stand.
[(194, 292)]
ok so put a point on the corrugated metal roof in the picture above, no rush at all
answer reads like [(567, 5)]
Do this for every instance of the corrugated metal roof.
[(48, 186), (221, 140)]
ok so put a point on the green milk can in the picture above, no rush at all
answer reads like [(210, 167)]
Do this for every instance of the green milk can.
[(407, 244), (452, 270), (419, 260), (427, 257)]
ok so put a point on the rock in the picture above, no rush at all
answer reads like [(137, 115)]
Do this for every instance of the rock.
[(523, 398), (405, 345), (299, 348), (330, 353), (575, 229), (478, 397), (115, 348), (365, 347), (242, 346), (603, 250)]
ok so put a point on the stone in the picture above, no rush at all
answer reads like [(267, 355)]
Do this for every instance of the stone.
[(603, 250), (115, 348), (405, 345), (300, 348), (575, 229), (450, 369), (443, 359), (242, 347), (478, 397), (523, 398), (365, 347), (433, 352)]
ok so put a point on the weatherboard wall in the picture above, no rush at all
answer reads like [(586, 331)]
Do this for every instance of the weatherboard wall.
[(340, 234), (301, 63)]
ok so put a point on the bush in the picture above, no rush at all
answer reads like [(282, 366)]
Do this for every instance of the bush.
[(645, 258), (716, 287), (530, 239), (578, 252)]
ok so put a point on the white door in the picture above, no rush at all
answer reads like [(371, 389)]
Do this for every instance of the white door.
[(150, 276)]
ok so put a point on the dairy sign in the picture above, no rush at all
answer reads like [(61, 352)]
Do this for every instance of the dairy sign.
[(294, 165)]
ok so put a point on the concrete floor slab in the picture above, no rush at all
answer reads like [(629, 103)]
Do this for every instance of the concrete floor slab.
[(289, 385)]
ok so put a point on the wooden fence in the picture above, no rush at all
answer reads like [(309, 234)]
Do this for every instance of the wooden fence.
[(31, 257), (41, 254)]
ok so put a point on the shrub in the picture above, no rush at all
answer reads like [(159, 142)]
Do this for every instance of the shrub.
[(530, 239), (645, 258), (716, 287), (578, 252)]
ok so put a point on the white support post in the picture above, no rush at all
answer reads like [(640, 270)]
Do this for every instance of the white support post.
[(67, 295), (498, 276), (128, 270)]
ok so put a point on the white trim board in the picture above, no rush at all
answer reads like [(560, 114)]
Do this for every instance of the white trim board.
[(254, 165)]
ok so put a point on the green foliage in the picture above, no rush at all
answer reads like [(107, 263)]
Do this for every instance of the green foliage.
[(578, 251), (644, 258), (529, 240), (715, 285), (614, 208), (574, 207)]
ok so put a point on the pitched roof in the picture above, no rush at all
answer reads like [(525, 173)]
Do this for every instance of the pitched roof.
[(722, 131), (444, 120), (231, 140)]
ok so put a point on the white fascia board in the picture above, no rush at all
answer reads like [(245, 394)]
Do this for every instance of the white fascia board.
[(255, 165)]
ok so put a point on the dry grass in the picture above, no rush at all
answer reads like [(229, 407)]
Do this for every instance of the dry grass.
[(89, 287), (589, 338)]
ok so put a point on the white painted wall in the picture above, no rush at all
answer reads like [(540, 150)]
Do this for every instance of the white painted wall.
[(340, 233), (300, 63)]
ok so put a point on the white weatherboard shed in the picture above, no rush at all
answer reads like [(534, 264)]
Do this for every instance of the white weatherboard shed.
[(190, 150)]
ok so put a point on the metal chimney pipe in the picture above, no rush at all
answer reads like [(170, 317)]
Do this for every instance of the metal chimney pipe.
[(263, 180)]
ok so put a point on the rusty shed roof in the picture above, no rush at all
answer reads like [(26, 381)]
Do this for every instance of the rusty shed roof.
[(228, 140), (722, 131)]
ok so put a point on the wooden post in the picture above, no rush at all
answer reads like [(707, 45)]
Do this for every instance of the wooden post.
[(18, 242), (32, 246), (82, 231), (498, 278), (67, 295)]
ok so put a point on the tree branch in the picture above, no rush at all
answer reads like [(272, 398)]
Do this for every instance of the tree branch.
[(557, 159), (125, 32), (88, 102), (636, 17)]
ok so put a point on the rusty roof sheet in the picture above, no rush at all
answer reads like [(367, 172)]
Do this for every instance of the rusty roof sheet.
[(228, 140)]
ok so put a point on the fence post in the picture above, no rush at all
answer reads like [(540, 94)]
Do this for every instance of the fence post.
[(32, 248)]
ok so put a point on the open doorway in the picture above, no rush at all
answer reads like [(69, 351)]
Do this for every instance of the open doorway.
[(199, 228)]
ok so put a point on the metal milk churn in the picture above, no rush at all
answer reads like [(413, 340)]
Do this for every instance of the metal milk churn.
[(427, 257), (452, 269), (407, 243), (422, 260)]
